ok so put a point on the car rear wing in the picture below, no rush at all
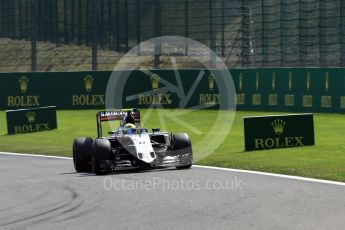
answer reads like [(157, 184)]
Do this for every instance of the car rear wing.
[(116, 115)]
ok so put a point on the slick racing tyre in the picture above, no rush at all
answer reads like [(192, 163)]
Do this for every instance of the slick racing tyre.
[(82, 148), (101, 153), (182, 145)]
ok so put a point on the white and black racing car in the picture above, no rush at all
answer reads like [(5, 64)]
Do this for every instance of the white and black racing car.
[(130, 146)]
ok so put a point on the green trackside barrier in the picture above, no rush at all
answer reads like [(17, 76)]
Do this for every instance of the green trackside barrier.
[(291, 89), (86, 90), (265, 89), (73, 90), (281, 131), (31, 120), (150, 90)]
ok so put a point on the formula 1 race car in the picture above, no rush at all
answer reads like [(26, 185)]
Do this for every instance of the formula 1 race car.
[(130, 146)]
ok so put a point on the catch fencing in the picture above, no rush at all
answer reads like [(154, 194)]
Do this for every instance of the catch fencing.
[(70, 35)]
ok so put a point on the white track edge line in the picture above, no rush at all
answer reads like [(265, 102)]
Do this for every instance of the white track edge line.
[(272, 175), (35, 155), (208, 167)]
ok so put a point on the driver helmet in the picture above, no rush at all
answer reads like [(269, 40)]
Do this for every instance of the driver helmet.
[(129, 126)]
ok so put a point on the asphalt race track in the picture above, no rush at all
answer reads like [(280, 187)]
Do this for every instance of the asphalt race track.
[(46, 193)]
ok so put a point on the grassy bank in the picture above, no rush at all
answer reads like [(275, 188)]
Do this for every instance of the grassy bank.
[(325, 160)]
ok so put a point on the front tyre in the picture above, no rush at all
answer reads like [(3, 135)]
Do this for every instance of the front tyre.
[(82, 148), (101, 156), (183, 146)]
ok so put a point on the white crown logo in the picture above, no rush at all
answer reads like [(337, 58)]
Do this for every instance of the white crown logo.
[(88, 80), (23, 84), (155, 81), (278, 126), (211, 79), (31, 116)]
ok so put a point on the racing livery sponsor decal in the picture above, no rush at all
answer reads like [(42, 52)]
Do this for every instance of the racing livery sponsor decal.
[(118, 115)]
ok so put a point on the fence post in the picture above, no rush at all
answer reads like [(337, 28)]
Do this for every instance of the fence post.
[(282, 51), (342, 33), (212, 33), (38, 21), (44, 20), (118, 26), (320, 36), (65, 20), (13, 18), (27, 15), (50, 15), (79, 23), (101, 25), (263, 41), (88, 23), (7, 18), (20, 19), (186, 23), (223, 28), (126, 26), (299, 33), (56, 33), (158, 33), (94, 33), (33, 35), (2, 19), (248, 52), (110, 21), (72, 18), (138, 26), (47, 20)]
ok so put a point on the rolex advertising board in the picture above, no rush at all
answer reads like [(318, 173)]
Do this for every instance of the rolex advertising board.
[(23, 95), (262, 89), (279, 131), (163, 89), (290, 89), (74, 90), (31, 120), (91, 92)]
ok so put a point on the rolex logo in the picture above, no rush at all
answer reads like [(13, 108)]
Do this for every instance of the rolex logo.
[(290, 81), (327, 81), (31, 116), (257, 83), (278, 126), (274, 81), (241, 81), (23, 84), (211, 81), (88, 80), (155, 81)]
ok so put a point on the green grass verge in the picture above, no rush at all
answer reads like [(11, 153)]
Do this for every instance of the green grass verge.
[(325, 160)]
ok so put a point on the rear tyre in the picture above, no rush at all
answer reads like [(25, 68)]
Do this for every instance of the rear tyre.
[(182, 145), (101, 153), (82, 148)]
